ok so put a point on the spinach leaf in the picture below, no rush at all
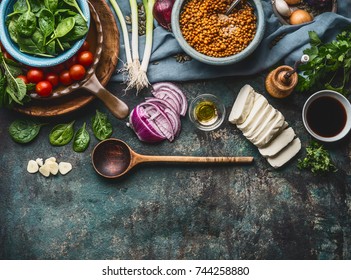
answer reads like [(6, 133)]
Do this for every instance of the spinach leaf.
[(27, 22), (19, 7), (81, 139), (46, 23), (65, 26), (102, 127), (74, 3), (51, 5), (2, 90), (12, 28), (24, 131), (51, 48), (33, 44), (79, 30), (17, 89), (61, 134)]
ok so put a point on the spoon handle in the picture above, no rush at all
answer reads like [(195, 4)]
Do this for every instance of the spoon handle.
[(231, 7), (192, 159)]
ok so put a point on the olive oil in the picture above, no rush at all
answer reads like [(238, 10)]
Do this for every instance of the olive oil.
[(206, 112)]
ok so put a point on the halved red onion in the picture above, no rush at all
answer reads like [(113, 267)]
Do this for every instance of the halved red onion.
[(145, 130), (170, 97), (175, 90)]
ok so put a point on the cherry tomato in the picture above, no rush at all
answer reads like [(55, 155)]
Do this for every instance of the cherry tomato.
[(58, 68), (35, 75), (43, 88), (23, 78), (53, 78), (77, 72), (84, 47), (73, 60), (65, 78), (85, 58)]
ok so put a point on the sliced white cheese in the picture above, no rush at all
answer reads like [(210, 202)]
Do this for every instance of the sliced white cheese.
[(278, 143), (259, 105), (64, 167), (264, 123), (270, 132), (256, 124), (286, 154), (32, 166), (242, 105), (45, 170)]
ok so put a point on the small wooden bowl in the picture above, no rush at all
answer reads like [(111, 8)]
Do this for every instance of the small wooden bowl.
[(285, 21)]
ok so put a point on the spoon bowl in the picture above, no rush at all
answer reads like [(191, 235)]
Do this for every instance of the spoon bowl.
[(113, 158)]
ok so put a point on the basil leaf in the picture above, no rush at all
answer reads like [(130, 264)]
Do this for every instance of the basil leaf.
[(102, 127), (81, 139), (24, 131), (61, 134)]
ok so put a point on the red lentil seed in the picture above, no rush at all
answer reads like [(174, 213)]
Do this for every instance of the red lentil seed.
[(205, 27)]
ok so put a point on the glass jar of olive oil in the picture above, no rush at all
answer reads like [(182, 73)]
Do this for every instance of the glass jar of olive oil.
[(207, 112)]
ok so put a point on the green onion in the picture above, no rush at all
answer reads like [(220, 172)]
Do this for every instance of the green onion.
[(135, 40), (129, 63)]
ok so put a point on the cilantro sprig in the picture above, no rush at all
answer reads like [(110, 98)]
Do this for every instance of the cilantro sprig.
[(317, 159), (329, 66)]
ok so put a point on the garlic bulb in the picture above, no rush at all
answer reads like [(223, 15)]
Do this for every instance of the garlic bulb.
[(282, 8)]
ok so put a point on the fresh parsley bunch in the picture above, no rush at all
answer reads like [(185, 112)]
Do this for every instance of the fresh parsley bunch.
[(329, 66), (317, 159)]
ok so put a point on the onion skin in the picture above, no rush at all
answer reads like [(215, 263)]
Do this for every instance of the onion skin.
[(162, 12), (299, 17)]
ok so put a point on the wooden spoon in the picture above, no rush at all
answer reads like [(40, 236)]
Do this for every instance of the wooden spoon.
[(113, 158)]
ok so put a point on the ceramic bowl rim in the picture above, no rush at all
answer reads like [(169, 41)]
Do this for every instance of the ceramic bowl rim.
[(344, 101), (31, 60), (177, 7)]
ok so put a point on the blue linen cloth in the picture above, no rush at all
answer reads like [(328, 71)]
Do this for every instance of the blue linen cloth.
[(163, 65)]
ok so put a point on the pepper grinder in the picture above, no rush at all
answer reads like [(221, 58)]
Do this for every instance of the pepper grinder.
[(281, 81)]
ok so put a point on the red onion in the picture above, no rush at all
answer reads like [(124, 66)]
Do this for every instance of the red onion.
[(163, 12), (175, 91)]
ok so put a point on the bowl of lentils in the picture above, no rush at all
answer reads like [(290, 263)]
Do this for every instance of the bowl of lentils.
[(207, 34)]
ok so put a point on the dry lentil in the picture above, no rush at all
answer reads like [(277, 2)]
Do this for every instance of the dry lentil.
[(205, 27)]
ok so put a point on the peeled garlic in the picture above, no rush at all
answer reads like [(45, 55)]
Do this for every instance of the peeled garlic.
[(53, 167), (282, 8), (32, 166), (39, 161), (45, 170), (64, 167), (50, 159)]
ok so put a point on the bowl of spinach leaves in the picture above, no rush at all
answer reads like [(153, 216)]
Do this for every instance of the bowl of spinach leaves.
[(43, 33)]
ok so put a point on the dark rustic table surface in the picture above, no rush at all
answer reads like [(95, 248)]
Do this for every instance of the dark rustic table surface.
[(174, 211)]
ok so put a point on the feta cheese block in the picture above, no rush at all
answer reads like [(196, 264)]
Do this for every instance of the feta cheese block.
[(264, 124), (271, 131), (242, 105), (286, 154), (259, 105), (278, 143), (261, 117)]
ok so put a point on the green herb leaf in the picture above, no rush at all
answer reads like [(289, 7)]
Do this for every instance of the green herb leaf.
[(81, 139), (102, 127), (61, 134), (317, 159), (24, 131)]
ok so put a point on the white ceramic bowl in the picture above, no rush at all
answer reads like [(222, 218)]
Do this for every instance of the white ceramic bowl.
[(344, 103)]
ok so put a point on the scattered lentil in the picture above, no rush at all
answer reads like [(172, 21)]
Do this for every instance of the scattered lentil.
[(208, 30)]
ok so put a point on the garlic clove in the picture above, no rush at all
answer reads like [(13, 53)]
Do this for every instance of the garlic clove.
[(50, 159), (282, 8), (64, 167), (45, 170), (39, 161), (32, 166), (53, 167)]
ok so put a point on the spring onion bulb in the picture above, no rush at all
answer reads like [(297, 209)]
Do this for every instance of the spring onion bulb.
[(135, 43), (143, 80), (129, 63)]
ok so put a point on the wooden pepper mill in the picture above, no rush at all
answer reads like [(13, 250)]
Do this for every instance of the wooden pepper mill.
[(281, 81)]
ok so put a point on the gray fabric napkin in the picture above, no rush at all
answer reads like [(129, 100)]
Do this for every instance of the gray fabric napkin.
[(294, 39)]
